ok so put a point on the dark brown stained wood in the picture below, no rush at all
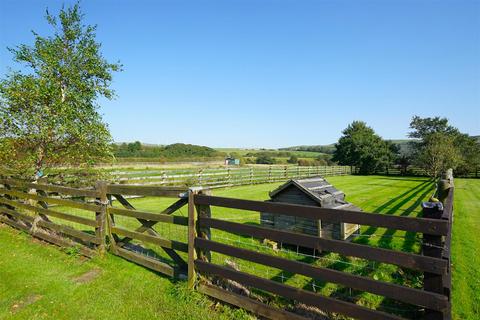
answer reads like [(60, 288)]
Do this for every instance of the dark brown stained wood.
[(192, 234), (63, 202), (150, 216), (401, 293), (51, 188), (408, 260), (249, 304), (432, 246), (172, 244), (422, 225), (61, 215), (146, 261), (203, 211), (61, 242), (289, 292), (132, 190), (124, 202), (175, 206)]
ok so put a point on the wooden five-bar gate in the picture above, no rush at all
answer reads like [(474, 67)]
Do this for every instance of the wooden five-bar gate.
[(104, 217)]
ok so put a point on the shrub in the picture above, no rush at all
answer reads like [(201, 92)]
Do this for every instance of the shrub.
[(293, 159), (265, 159)]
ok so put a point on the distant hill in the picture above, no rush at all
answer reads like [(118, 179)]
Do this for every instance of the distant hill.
[(404, 145), (171, 151)]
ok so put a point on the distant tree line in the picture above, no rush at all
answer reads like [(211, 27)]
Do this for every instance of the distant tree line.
[(329, 149), (436, 147), (172, 151)]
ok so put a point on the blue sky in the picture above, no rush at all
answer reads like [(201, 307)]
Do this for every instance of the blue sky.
[(275, 73)]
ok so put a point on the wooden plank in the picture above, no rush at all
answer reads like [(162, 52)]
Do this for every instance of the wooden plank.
[(150, 216), (124, 202), (16, 214), (51, 188), (289, 292), (145, 190), (172, 244), (61, 242), (249, 304), (422, 225), (61, 215), (203, 211), (63, 202), (146, 261), (69, 231), (394, 291), (192, 234), (147, 224), (175, 206), (101, 215), (53, 226), (432, 246), (408, 260)]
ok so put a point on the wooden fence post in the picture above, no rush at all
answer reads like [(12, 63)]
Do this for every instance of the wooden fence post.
[(251, 175), (194, 230), (432, 246), (164, 177), (100, 217)]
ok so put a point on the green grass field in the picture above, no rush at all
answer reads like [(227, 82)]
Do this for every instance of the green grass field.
[(40, 280)]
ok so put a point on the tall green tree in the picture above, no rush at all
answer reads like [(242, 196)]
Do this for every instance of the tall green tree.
[(360, 146), (48, 109), (439, 146), (438, 153)]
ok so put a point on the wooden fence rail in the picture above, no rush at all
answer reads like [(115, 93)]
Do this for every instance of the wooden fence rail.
[(28, 206), (433, 298), (222, 177), (86, 218)]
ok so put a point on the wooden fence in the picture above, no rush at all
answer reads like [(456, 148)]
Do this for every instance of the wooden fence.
[(141, 253), (223, 177), (473, 172), (31, 207), (434, 261), (63, 216)]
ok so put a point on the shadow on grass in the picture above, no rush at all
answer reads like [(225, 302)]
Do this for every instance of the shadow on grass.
[(400, 201), (409, 239)]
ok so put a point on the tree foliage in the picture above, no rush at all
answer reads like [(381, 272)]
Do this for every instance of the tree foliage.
[(440, 146), (171, 151), (360, 146), (48, 110), (265, 159)]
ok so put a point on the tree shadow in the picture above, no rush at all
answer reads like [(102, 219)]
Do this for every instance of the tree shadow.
[(386, 239), (404, 197)]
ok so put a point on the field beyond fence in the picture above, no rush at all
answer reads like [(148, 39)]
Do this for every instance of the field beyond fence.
[(278, 274)]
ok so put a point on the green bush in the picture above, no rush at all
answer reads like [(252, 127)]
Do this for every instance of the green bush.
[(265, 159), (293, 159)]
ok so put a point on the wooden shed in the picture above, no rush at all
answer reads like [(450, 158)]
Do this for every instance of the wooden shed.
[(314, 191)]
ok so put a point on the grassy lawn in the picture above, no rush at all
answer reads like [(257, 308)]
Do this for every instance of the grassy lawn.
[(41, 280)]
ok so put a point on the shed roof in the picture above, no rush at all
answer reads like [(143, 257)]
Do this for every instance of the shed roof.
[(319, 190)]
